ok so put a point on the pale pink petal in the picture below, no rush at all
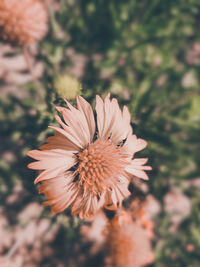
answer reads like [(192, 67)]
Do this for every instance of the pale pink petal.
[(133, 144), (77, 122), (114, 125), (68, 136), (134, 171), (126, 115), (60, 191), (86, 109), (80, 120), (119, 192), (120, 124), (49, 174), (56, 160), (54, 188), (119, 127), (91, 208), (59, 141), (138, 164), (100, 115), (116, 195), (86, 205), (114, 198), (62, 180), (139, 145), (106, 116), (139, 161), (54, 153), (110, 120), (111, 113), (146, 168), (66, 201), (71, 131)]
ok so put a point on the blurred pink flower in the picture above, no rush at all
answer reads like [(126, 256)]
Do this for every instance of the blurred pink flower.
[(127, 243), (88, 165), (31, 211), (190, 248), (96, 232), (178, 206), (15, 71), (141, 215), (192, 182), (22, 23), (152, 206)]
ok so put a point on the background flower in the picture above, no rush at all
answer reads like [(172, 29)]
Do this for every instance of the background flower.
[(127, 243), (23, 23)]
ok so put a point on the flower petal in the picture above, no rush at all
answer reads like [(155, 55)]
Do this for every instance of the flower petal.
[(59, 141), (133, 145), (110, 120), (68, 136), (60, 191), (78, 123), (86, 109), (51, 159), (139, 173), (100, 115), (49, 174)]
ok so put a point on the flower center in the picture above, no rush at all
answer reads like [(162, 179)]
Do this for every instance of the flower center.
[(100, 165)]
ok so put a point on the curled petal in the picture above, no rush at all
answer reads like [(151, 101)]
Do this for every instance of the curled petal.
[(133, 145)]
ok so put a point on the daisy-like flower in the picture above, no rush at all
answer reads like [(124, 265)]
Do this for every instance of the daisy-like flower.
[(88, 164), (23, 22), (127, 243)]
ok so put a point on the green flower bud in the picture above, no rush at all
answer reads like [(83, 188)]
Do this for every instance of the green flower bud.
[(67, 86)]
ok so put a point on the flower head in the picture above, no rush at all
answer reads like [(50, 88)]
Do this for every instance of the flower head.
[(22, 23), (88, 164), (67, 86), (127, 243)]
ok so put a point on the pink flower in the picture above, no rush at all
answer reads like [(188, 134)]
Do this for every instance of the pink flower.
[(23, 22), (88, 165), (127, 243)]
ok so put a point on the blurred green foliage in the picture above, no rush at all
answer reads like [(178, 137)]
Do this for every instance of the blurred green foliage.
[(147, 53)]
